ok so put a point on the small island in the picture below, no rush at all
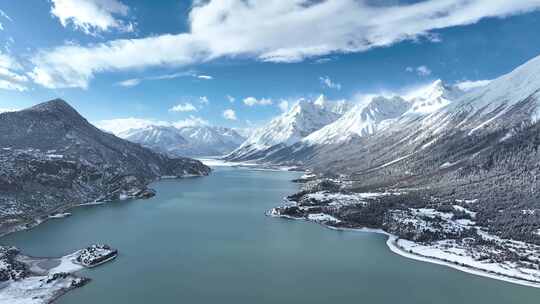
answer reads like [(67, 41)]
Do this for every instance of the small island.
[(95, 255)]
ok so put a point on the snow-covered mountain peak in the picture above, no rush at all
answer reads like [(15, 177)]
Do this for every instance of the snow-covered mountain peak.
[(321, 101), (200, 140), (302, 119), (432, 97), (362, 120), (508, 90), (154, 135), (336, 106)]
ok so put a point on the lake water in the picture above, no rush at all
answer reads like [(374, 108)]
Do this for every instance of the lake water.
[(206, 240)]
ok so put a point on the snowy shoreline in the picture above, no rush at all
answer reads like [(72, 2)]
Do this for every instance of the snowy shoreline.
[(392, 243), (216, 162)]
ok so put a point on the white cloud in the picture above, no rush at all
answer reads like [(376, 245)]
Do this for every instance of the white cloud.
[(12, 86), (229, 114), (185, 107), (327, 82), (283, 105), (120, 125), (254, 28), (204, 100), (469, 85), (252, 101), (91, 16), (4, 15), (190, 122), (129, 82), (136, 81), (421, 70), (230, 98), (10, 74)]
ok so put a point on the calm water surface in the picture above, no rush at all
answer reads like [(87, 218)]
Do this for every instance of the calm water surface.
[(206, 240)]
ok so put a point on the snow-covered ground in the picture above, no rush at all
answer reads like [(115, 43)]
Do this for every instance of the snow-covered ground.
[(49, 279), (36, 290), (451, 254), (214, 162), (462, 254)]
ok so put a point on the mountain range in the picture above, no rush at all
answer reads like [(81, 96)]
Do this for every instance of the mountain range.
[(312, 125), (302, 119), (447, 145), (198, 140)]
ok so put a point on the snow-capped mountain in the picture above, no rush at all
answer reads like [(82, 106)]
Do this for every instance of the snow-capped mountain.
[(335, 106), (432, 98), (189, 140), (302, 119), (362, 120), (520, 85), (443, 133), (210, 141)]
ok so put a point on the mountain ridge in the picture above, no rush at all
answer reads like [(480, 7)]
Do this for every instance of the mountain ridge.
[(52, 158)]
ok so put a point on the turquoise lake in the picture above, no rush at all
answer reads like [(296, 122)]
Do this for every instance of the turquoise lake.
[(207, 240)]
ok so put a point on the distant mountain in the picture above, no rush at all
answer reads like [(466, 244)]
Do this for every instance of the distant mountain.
[(52, 158), (186, 141), (302, 119), (273, 144)]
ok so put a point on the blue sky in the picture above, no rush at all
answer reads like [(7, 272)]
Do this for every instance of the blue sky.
[(140, 59)]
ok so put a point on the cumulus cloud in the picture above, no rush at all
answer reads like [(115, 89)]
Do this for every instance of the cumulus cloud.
[(118, 126), (327, 82), (183, 107), (254, 28), (470, 85), (421, 70), (91, 16), (252, 101), (283, 105), (229, 114), (230, 98)]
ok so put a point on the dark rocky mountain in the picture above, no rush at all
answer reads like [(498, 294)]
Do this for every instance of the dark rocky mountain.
[(52, 158)]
